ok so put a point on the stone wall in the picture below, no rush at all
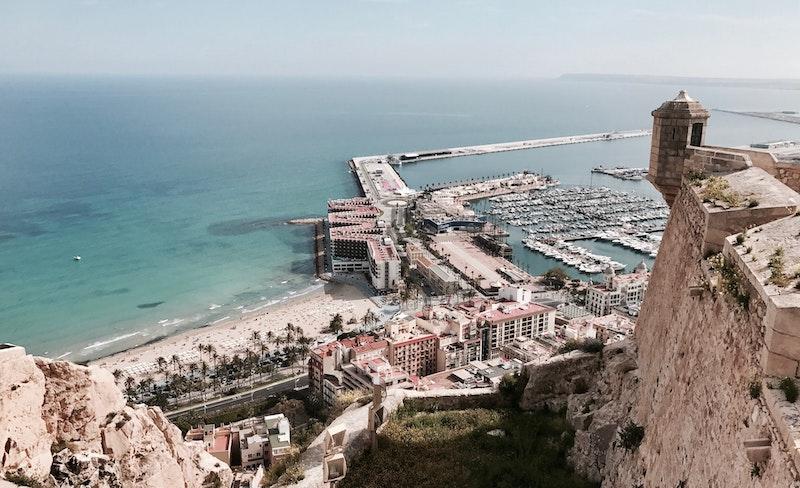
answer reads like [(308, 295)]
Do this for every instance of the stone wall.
[(698, 354)]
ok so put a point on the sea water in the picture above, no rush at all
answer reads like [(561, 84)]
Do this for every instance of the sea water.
[(175, 192)]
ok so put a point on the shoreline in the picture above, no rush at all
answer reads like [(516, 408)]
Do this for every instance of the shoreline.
[(311, 311)]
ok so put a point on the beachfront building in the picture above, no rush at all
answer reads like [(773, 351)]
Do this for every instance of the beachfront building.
[(502, 322), (357, 242), (622, 292)]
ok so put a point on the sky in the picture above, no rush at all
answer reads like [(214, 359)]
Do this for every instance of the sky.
[(400, 38)]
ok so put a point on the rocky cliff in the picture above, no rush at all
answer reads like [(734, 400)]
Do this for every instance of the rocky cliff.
[(67, 425)]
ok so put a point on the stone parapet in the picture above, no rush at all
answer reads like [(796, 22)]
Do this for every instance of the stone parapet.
[(752, 257), (766, 200)]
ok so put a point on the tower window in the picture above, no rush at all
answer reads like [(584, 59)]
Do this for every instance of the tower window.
[(697, 134)]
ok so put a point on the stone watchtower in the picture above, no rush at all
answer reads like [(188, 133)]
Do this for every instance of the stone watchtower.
[(677, 123)]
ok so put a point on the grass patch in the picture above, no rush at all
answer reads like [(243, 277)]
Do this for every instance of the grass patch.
[(718, 190), (452, 448)]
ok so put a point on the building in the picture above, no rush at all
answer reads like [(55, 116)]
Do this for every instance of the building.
[(248, 443), (624, 291), (525, 350), (503, 322), (325, 362), (357, 242), (411, 349), (363, 374), (441, 278)]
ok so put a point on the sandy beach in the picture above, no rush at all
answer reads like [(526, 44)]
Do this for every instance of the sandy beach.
[(312, 311)]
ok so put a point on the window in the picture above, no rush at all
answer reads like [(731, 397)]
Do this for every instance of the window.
[(697, 134)]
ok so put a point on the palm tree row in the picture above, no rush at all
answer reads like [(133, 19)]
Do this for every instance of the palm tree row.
[(180, 379)]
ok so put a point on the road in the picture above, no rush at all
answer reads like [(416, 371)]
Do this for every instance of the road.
[(259, 393)]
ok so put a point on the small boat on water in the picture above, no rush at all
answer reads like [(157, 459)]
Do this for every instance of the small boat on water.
[(76, 258)]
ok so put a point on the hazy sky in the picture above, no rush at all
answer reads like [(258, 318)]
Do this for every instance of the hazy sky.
[(417, 38)]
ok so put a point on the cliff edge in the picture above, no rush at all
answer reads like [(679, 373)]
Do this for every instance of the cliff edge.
[(67, 425)]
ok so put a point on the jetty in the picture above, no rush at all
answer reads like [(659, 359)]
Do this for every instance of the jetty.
[(417, 156)]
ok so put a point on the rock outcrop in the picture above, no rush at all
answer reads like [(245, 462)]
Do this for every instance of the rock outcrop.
[(67, 425)]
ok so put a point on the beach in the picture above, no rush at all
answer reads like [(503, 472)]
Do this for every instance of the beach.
[(311, 311)]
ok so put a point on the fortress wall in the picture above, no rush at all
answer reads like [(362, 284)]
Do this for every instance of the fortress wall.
[(698, 352)]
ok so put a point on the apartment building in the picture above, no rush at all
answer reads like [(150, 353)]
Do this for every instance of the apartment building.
[(624, 291)]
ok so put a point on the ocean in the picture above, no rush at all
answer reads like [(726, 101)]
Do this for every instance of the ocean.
[(175, 192)]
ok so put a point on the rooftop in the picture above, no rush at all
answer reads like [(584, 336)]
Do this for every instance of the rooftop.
[(513, 310)]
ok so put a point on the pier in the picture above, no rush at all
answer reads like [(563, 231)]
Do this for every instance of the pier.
[(416, 156)]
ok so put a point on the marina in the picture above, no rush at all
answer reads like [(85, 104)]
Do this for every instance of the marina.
[(553, 217)]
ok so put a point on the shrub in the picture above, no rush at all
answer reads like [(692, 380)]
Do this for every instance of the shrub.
[(777, 269), (752, 203), (585, 345), (294, 474), (755, 389), (631, 436), (513, 385), (740, 238), (789, 388), (22, 480)]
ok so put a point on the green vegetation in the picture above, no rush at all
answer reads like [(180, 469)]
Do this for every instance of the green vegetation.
[(555, 278), (453, 448), (22, 480), (718, 189), (755, 389), (730, 280), (695, 178), (789, 388), (336, 324), (631, 436), (777, 269), (585, 345), (512, 386)]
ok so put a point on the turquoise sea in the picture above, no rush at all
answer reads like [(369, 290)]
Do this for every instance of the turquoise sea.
[(175, 191)]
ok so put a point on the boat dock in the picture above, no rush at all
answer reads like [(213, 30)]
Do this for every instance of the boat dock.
[(417, 156)]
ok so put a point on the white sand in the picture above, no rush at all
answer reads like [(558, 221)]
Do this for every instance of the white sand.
[(312, 312)]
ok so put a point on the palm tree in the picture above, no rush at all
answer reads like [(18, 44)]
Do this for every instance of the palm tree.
[(117, 374), (129, 390), (175, 361), (193, 367), (304, 346), (162, 367), (291, 356), (204, 372), (336, 323)]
